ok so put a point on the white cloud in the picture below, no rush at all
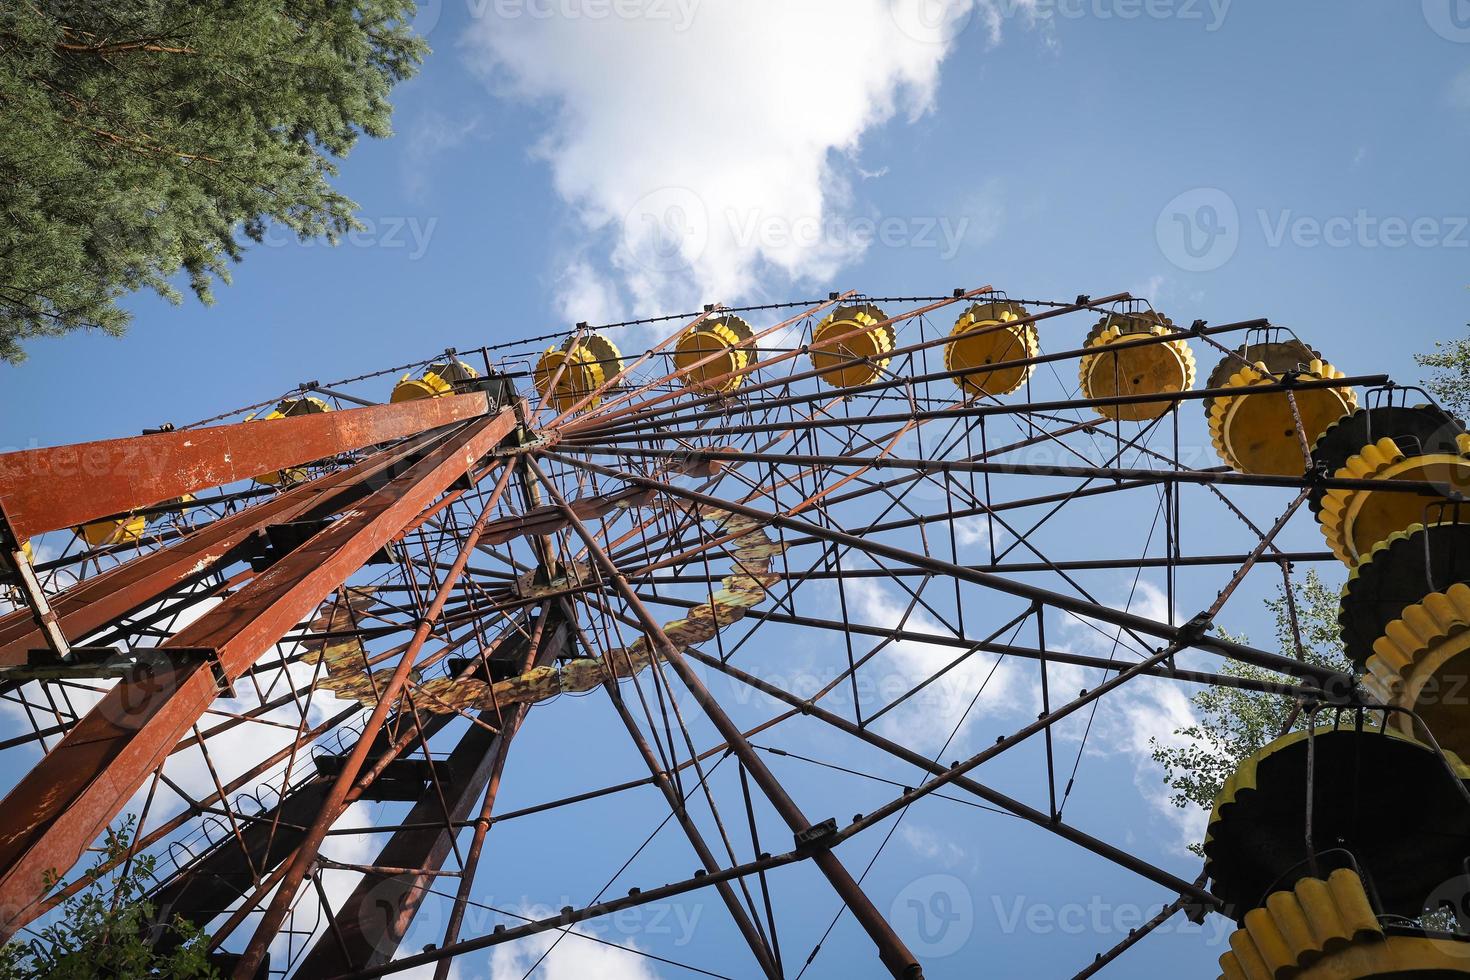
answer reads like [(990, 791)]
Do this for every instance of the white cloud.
[(930, 846), (928, 719), (1151, 290), (430, 136), (980, 530), (575, 957), (584, 296), (711, 143)]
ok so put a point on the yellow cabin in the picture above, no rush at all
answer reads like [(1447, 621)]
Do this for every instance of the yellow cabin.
[(290, 408), (1259, 433), (712, 355), (438, 379), (1405, 621), (1111, 368), (853, 345), (1389, 801), (991, 333), (566, 375), (1325, 928), (1418, 443), (113, 530)]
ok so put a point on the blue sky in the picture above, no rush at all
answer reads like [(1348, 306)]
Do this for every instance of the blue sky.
[(1302, 161)]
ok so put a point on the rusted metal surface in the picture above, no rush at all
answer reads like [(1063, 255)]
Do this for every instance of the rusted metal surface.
[(62, 804), (100, 599), (218, 878), (63, 486), (301, 864), (374, 918)]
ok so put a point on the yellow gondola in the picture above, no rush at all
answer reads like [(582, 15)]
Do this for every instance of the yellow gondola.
[(988, 333), (1258, 433), (725, 341), (1326, 929), (290, 408), (113, 530), (852, 345), (1162, 368), (579, 367), (1418, 443), (438, 379), (1406, 625), (1390, 800)]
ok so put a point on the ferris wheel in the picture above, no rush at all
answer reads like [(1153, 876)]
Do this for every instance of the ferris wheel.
[(803, 533)]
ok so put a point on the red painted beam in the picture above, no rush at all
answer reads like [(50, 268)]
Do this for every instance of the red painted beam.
[(47, 489), (62, 805), (100, 600)]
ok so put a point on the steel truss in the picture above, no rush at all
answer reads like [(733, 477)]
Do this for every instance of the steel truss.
[(369, 619)]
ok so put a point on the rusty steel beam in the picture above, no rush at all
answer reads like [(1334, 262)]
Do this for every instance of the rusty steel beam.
[(63, 486), (100, 600), (212, 883), (305, 858), (219, 877), (364, 935), (62, 805)]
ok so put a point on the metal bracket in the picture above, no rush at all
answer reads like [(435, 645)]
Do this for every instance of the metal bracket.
[(86, 663), (814, 835), (13, 551)]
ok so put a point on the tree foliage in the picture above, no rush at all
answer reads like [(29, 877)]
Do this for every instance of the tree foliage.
[(145, 139), (1451, 381), (107, 929), (1233, 723)]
